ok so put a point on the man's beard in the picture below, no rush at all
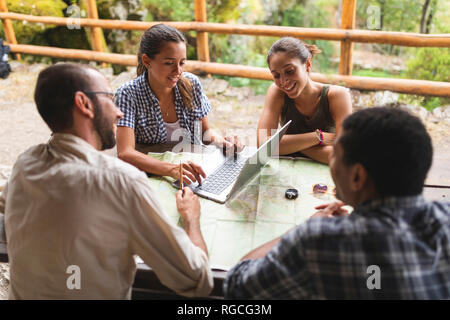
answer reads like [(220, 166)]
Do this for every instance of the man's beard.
[(103, 128)]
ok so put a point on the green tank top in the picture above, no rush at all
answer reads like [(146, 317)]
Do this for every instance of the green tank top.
[(322, 119)]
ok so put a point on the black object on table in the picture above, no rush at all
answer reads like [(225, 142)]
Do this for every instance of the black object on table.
[(291, 194)]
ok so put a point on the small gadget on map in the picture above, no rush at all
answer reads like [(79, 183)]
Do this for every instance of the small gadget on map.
[(291, 194)]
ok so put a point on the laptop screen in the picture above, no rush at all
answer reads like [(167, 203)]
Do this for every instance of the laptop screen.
[(260, 158)]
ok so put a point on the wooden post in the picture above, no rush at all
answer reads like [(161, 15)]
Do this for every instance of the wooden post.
[(347, 22), (8, 27), (202, 37), (98, 39), (96, 31)]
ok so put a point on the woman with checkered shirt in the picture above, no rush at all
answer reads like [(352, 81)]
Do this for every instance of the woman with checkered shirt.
[(164, 105)]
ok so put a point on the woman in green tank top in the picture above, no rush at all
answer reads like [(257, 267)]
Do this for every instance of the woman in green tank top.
[(316, 110)]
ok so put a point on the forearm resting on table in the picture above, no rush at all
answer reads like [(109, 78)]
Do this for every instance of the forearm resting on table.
[(291, 143), (192, 228), (319, 153), (261, 251), (145, 163)]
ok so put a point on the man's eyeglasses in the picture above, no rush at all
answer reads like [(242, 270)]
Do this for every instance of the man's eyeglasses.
[(111, 95)]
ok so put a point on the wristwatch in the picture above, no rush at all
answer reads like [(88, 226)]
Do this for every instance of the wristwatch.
[(319, 136)]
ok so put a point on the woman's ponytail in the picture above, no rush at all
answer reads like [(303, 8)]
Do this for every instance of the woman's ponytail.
[(313, 49), (141, 67), (185, 87)]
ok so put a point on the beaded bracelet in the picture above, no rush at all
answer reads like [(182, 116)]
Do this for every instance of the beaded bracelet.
[(319, 136)]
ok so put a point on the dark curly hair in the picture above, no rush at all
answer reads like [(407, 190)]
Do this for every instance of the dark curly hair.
[(392, 145)]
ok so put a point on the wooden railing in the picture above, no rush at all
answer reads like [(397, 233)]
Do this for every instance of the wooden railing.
[(346, 35)]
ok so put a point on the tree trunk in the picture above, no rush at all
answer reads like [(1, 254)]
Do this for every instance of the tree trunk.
[(430, 16), (425, 6), (382, 8)]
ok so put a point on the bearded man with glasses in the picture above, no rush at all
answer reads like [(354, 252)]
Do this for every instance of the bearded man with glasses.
[(70, 208)]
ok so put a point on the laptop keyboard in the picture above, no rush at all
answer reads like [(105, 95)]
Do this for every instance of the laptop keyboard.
[(225, 175)]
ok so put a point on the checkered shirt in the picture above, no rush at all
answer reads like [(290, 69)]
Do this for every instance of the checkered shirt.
[(143, 114), (330, 258)]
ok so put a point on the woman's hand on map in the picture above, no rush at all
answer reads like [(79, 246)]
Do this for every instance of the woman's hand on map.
[(329, 210)]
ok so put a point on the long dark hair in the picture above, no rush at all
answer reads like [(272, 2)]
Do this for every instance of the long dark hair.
[(151, 44), (293, 47)]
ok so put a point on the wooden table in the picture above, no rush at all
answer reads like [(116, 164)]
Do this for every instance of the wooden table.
[(147, 286)]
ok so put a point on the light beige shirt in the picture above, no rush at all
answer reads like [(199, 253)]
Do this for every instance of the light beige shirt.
[(66, 204)]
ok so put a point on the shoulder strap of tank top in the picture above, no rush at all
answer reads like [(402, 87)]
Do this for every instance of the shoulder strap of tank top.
[(324, 93), (287, 103), (324, 97)]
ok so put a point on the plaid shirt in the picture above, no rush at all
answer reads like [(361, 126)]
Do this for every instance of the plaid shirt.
[(330, 258), (143, 114)]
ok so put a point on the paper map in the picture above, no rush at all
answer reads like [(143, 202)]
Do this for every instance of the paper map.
[(258, 213)]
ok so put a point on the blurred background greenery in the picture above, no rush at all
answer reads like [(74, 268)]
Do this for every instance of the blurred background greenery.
[(425, 16)]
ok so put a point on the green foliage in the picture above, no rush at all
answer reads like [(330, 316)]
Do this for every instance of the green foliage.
[(431, 103), (398, 15), (430, 64), (120, 41), (283, 11), (258, 86), (441, 21), (31, 32), (173, 10), (37, 8), (169, 10), (377, 74), (309, 14), (394, 15), (427, 102), (46, 35), (237, 49), (223, 11), (63, 37)]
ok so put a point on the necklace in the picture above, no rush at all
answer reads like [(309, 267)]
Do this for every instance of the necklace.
[(166, 109), (166, 106), (166, 113)]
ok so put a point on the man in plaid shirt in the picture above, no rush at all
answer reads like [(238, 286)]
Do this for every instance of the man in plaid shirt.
[(394, 245)]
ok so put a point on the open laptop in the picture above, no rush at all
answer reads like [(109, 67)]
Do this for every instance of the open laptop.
[(234, 173)]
